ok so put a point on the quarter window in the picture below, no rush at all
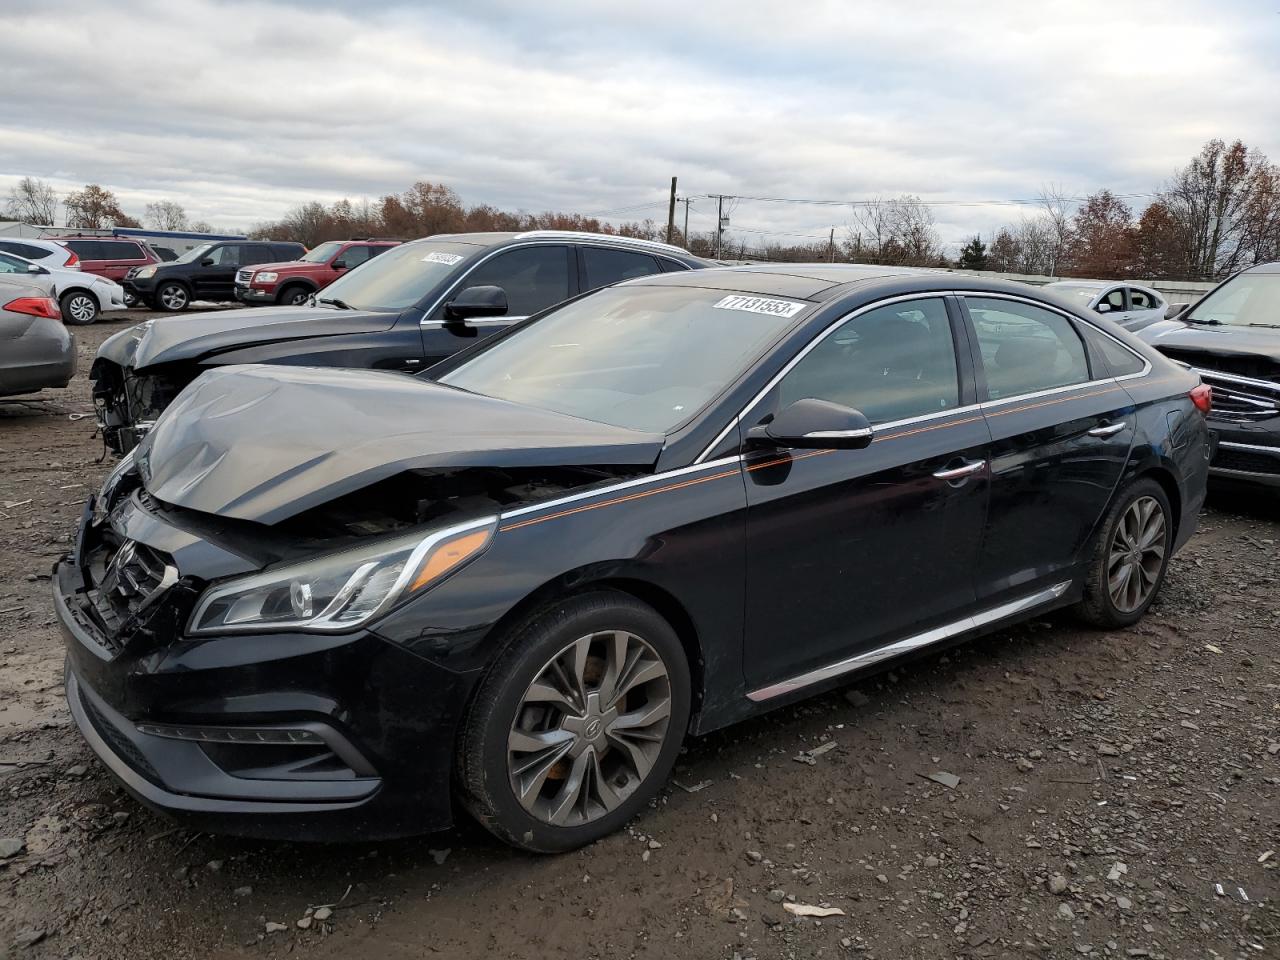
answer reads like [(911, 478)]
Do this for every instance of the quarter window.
[(534, 278), (891, 363), (1120, 360), (609, 266), (1026, 348)]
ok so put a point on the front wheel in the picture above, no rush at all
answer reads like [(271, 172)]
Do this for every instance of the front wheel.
[(293, 296), (172, 297), (1129, 557), (577, 724), (78, 308)]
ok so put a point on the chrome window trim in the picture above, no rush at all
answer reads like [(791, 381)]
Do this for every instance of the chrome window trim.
[(605, 238), (621, 485), (869, 658), (881, 427), (425, 322), (473, 321)]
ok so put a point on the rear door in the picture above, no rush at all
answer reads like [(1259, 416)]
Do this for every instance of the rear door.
[(119, 257), (91, 254), (534, 278), (851, 550), (1061, 430)]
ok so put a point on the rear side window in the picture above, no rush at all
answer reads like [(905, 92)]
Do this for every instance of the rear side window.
[(1141, 300), (1026, 348), (25, 250), (609, 266), (252, 253), (119, 250), (534, 278), (892, 363)]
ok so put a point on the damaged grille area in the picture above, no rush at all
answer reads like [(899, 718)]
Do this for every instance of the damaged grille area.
[(127, 404), (1245, 389)]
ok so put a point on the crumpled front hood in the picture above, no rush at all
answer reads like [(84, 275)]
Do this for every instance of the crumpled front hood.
[(166, 339), (264, 443), (1219, 340)]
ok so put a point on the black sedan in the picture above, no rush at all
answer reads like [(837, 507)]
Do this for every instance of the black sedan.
[(323, 603), (404, 310), (1231, 338)]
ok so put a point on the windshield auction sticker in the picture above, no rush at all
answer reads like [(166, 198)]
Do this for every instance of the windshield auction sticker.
[(448, 259), (774, 308)]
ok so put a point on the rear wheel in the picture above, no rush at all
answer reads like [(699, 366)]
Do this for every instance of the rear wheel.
[(78, 308), (172, 297), (1129, 557), (577, 724), (293, 296)]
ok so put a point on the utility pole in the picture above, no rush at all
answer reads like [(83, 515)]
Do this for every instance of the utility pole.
[(719, 223), (831, 245), (671, 213), (686, 201)]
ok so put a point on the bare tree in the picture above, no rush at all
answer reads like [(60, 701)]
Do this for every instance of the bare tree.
[(94, 208), (1057, 214), (166, 215), (32, 201), (899, 231)]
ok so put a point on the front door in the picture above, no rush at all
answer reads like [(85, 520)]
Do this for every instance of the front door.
[(534, 278), (215, 273), (1060, 439), (850, 550)]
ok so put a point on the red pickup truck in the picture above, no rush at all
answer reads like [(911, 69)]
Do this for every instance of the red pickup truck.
[(295, 281)]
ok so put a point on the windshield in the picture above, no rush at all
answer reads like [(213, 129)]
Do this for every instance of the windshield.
[(322, 253), (647, 358), (195, 253), (400, 277), (1073, 292), (1246, 300)]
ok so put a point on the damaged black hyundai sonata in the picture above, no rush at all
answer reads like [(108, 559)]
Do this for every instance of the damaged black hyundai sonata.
[(324, 604)]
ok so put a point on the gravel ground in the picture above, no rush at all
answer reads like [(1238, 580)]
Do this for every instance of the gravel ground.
[(1111, 795)]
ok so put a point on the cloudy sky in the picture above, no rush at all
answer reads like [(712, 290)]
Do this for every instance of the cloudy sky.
[(240, 110)]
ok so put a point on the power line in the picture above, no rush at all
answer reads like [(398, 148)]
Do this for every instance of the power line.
[(925, 203)]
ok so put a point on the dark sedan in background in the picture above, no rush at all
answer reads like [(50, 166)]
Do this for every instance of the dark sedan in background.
[(1231, 338), (36, 351), (411, 306), (321, 603)]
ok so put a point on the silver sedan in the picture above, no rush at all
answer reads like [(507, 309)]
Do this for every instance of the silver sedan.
[(36, 350), (1128, 304)]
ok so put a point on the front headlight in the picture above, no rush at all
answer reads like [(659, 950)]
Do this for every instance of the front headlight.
[(340, 591), (266, 276), (107, 495), (145, 272)]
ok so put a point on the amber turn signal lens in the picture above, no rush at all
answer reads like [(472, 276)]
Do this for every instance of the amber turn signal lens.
[(448, 555)]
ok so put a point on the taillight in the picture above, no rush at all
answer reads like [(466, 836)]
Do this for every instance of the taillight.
[(1202, 397), (74, 262), (35, 307)]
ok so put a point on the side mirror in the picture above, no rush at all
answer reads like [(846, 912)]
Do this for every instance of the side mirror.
[(207, 262), (1103, 307), (816, 425), (338, 265), (486, 301), (35, 268), (1174, 309)]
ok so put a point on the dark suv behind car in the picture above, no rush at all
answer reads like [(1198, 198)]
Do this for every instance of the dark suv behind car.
[(404, 310), (206, 272), (295, 281)]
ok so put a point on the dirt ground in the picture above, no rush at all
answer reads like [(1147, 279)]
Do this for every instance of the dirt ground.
[(1118, 796)]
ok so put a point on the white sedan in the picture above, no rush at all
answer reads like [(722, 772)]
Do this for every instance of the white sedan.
[(81, 296), (1128, 304)]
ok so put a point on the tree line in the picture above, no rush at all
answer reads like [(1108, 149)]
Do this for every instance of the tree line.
[(1216, 215)]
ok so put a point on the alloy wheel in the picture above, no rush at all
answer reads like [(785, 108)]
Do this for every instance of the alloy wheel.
[(1137, 554), (173, 297), (589, 728), (82, 308)]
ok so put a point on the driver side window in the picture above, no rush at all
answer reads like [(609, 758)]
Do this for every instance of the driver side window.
[(534, 278), (892, 363)]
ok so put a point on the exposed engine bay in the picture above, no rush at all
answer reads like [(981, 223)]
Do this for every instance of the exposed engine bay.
[(127, 403)]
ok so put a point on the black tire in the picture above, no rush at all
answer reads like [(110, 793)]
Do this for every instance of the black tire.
[(79, 308), (293, 295), (171, 297), (484, 783), (1100, 607), (130, 301)]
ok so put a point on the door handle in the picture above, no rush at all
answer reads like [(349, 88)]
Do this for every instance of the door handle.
[(959, 473), (1107, 430)]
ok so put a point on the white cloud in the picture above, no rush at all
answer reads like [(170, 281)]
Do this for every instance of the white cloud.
[(240, 110)]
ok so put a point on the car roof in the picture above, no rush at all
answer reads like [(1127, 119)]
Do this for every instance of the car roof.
[(569, 236), (805, 281), (1091, 284), (1273, 267)]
